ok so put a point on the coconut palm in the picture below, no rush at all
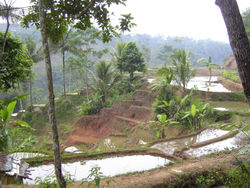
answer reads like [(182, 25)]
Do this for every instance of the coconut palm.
[(165, 76), (182, 67), (116, 54), (104, 79), (10, 14)]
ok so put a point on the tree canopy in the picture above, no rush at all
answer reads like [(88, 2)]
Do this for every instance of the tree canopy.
[(81, 14), (15, 64), (132, 59)]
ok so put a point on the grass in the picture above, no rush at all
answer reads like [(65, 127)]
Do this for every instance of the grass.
[(232, 106)]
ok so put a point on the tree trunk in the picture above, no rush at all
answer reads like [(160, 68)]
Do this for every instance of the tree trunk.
[(238, 41), (31, 101), (52, 118), (20, 91), (64, 80), (6, 32)]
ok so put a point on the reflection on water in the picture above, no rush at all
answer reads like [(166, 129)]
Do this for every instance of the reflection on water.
[(228, 144), (202, 83), (171, 146), (221, 109), (109, 167)]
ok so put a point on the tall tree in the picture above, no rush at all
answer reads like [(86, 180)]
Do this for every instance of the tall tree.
[(52, 117), (238, 41), (132, 60), (182, 67)]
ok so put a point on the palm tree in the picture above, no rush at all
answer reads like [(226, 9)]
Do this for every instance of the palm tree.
[(182, 67), (104, 79), (209, 65), (120, 46), (11, 15), (165, 76), (35, 55)]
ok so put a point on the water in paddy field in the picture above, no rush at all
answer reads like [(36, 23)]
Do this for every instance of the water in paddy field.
[(202, 84), (109, 167), (237, 141), (228, 144)]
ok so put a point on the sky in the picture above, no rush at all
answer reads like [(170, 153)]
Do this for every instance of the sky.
[(198, 19)]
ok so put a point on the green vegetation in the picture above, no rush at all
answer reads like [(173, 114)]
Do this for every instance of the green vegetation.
[(246, 20), (183, 72), (15, 64), (234, 76), (131, 60)]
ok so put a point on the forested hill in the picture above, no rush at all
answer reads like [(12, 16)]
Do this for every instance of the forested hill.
[(219, 51), (154, 45)]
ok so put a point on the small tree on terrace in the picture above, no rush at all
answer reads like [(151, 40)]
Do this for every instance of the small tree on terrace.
[(104, 79), (182, 67), (132, 60)]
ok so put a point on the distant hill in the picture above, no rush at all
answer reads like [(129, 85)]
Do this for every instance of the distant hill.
[(219, 51)]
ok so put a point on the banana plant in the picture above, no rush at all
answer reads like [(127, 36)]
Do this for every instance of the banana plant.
[(196, 115), (6, 109), (161, 123)]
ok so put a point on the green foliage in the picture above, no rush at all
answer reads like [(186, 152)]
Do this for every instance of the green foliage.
[(165, 76), (188, 111), (59, 15), (15, 65), (6, 109), (221, 115), (182, 67), (229, 74), (92, 105), (161, 123), (132, 59), (196, 115), (21, 139), (64, 108), (95, 175), (116, 54), (228, 96), (104, 80), (36, 119), (50, 181), (246, 21), (239, 176)]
